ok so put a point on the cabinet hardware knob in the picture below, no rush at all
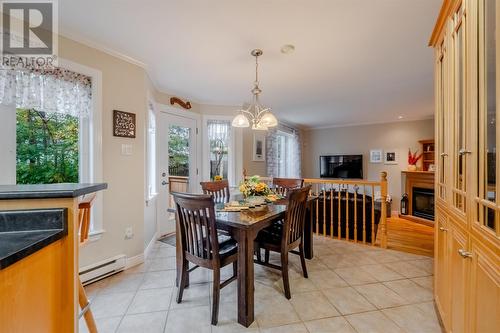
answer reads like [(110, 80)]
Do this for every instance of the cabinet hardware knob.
[(465, 254), (444, 155), (462, 152), (443, 229)]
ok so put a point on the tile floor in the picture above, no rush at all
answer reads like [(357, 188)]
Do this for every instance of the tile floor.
[(351, 288)]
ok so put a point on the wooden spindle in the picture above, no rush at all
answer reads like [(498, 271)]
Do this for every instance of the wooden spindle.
[(339, 195), (347, 213), (364, 214), (331, 212), (355, 216), (324, 212), (373, 214), (383, 209)]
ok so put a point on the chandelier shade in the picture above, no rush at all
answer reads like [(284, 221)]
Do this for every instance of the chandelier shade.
[(255, 114)]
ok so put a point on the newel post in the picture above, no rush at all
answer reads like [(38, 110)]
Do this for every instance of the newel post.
[(383, 209)]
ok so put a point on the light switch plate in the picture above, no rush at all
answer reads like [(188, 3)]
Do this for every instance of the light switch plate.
[(126, 149)]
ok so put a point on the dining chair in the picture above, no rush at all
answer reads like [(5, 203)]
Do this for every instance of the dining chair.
[(84, 209), (286, 236), (283, 185), (218, 189), (201, 245)]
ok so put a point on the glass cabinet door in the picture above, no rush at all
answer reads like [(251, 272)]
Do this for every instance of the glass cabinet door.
[(442, 153), (487, 200), (459, 152)]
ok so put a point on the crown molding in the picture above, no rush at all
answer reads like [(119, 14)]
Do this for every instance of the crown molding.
[(68, 33), (406, 120)]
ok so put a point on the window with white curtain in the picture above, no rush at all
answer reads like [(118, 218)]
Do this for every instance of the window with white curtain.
[(219, 140), (151, 151), (283, 153)]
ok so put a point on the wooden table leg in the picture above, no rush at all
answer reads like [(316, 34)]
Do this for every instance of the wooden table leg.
[(308, 233), (245, 239)]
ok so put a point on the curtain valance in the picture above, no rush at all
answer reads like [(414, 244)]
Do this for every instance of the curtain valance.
[(49, 90)]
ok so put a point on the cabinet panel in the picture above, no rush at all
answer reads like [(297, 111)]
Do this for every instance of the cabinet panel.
[(441, 276), (484, 292), (458, 279)]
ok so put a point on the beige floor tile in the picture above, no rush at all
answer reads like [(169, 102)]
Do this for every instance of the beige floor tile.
[(200, 275), (195, 295), (382, 273), (164, 252), (141, 268), (347, 300), (313, 305), (292, 328), (122, 282), (161, 264), (327, 279), (410, 290), (264, 291), (228, 294), (104, 325), (297, 285), (380, 296), (429, 310), (407, 269), (355, 276), (153, 322), (329, 325), (339, 261), (228, 320), (150, 300), (160, 279), (93, 289), (273, 312), (312, 265), (373, 322), (426, 281), (189, 320), (426, 264), (413, 319), (386, 257), (111, 305)]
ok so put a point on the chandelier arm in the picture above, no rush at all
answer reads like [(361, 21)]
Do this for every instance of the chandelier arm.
[(250, 113)]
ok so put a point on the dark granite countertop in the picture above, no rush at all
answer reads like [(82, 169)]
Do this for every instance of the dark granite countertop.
[(23, 232), (44, 191)]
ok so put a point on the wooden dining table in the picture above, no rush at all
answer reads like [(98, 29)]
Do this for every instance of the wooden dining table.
[(244, 226)]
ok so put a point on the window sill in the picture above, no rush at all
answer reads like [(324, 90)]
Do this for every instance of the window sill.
[(95, 235)]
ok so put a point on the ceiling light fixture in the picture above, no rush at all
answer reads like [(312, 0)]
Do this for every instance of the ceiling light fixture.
[(400, 117), (287, 48), (255, 113)]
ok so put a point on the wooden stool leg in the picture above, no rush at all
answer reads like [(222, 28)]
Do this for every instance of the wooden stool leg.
[(83, 300)]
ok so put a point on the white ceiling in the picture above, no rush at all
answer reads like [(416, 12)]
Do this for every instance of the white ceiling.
[(356, 61)]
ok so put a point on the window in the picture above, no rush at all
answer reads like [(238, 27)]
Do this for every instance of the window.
[(222, 150), (283, 151), (151, 151), (219, 137)]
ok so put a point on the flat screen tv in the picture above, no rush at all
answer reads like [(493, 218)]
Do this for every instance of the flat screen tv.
[(341, 166)]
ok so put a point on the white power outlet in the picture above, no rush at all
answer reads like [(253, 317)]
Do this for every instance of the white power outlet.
[(129, 233)]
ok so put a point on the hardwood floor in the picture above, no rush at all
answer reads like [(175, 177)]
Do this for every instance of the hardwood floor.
[(408, 236)]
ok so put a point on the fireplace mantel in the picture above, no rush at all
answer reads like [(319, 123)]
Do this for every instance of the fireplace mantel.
[(420, 179)]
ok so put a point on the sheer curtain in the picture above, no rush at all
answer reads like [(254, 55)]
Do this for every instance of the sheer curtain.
[(48, 90), (283, 152), (219, 136)]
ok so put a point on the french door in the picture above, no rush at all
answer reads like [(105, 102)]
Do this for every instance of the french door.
[(177, 164)]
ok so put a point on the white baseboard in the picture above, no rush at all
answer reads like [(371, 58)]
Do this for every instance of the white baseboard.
[(134, 261)]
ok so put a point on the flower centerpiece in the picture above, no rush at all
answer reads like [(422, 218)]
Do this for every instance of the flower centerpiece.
[(254, 190), (413, 158)]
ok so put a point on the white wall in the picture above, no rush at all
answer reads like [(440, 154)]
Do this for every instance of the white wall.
[(398, 136), (7, 145)]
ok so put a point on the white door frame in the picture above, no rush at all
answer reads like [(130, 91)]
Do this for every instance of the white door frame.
[(170, 110)]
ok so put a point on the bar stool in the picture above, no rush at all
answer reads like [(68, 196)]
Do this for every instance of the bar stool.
[(84, 207)]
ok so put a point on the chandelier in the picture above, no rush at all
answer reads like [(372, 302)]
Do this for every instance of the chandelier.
[(255, 114)]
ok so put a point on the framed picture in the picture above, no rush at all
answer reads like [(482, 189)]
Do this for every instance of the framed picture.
[(124, 124), (376, 156), (259, 147), (390, 157)]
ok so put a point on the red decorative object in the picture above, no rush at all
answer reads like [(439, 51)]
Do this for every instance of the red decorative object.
[(413, 157)]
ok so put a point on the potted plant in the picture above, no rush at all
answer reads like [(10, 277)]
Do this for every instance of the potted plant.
[(413, 158)]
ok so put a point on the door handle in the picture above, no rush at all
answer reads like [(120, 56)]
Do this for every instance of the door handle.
[(462, 152), (164, 182), (442, 229), (464, 254)]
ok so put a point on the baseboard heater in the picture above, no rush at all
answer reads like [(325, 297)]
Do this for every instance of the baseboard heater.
[(102, 269)]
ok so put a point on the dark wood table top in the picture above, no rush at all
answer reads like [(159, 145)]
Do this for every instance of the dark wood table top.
[(252, 217)]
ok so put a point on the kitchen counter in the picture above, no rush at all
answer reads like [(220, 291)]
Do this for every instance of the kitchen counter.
[(46, 191), (24, 232)]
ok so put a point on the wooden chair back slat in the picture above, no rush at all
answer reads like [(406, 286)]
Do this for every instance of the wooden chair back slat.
[(295, 215), (218, 189), (283, 185), (84, 207), (195, 215)]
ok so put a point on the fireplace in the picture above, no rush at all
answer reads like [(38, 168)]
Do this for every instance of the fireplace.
[(423, 202)]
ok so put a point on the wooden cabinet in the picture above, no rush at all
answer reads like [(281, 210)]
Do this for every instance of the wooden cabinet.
[(467, 235)]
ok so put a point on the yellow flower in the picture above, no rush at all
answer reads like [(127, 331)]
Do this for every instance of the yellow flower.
[(217, 178)]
